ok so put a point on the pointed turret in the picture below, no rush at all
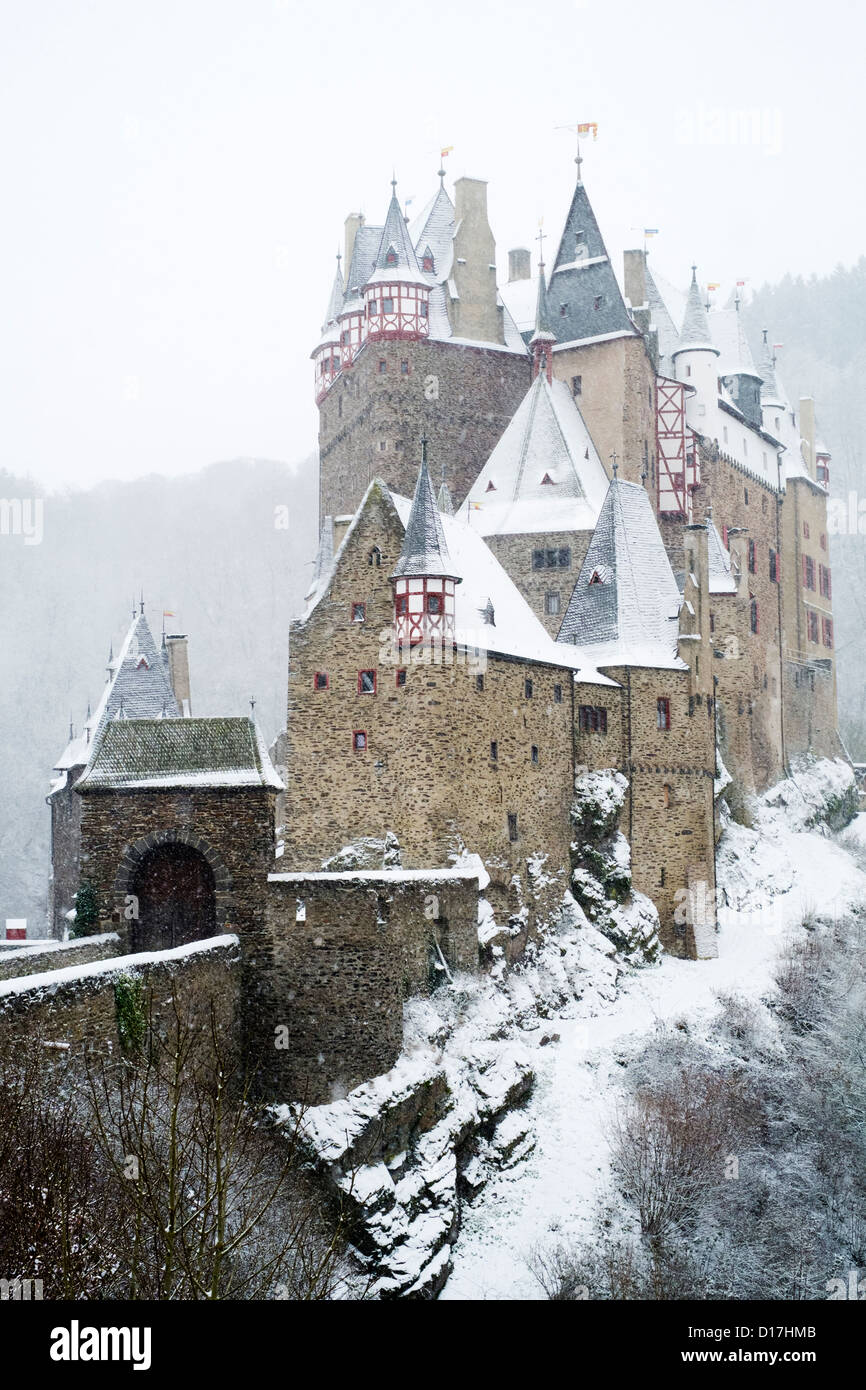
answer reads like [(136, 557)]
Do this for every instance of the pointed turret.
[(771, 393), (695, 356), (584, 296), (443, 499), (397, 293), (335, 303), (740, 375), (695, 332), (327, 355), (424, 577)]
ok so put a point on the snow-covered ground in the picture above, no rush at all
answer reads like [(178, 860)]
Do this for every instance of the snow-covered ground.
[(775, 876)]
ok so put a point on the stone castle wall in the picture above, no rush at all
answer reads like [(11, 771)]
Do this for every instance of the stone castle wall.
[(617, 398), (515, 552), (372, 419)]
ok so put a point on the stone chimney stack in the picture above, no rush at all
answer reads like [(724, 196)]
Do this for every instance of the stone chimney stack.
[(178, 670), (519, 264), (474, 312), (634, 274)]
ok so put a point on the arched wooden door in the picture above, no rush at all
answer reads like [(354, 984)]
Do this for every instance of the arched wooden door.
[(174, 885)]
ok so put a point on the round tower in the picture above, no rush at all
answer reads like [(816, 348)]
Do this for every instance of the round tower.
[(397, 294), (696, 356)]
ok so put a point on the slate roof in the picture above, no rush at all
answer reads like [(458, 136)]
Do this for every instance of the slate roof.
[(721, 578), (395, 235), (543, 332), (546, 438), (424, 550), (662, 320), (364, 250), (695, 332), (629, 615), (583, 276), (729, 336), (771, 393), (435, 228), (138, 687), (142, 754)]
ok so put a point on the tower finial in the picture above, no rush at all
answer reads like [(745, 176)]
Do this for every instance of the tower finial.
[(542, 235), (614, 462), (424, 450), (142, 601)]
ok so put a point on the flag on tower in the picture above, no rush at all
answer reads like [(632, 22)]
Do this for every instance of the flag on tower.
[(446, 150), (713, 285), (584, 128), (650, 231)]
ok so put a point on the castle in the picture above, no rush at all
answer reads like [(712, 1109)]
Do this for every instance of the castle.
[(565, 530)]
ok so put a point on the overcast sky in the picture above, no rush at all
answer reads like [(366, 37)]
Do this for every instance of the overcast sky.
[(175, 176)]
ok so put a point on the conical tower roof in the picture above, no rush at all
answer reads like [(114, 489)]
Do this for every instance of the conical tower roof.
[(583, 288), (625, 604), (335, 303), (695, 332), (444, 500), (543, 332), (424, 550), (396, 259), (771, 391)]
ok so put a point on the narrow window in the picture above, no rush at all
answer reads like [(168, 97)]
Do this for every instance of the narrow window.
[(387, 305), (666, 795), (422, 309), (563, 557), (359, 740), (320, 680), (401, 605), (494, 751), (557, 694), (551, 604), (512, 825), (812, 626), (774, 567), (827, 631), (597, 302), (374, 557), (390, 256), (805, 530), (434, 603), (534, 754), (746, 496), (752, 557), (823, 541), (383, 366), (359, 612), (753, 615), (527, 689), (366, 682), (404, 367), (538, 559), (401, 677), (663, 712), (577, 385), (479, 683)]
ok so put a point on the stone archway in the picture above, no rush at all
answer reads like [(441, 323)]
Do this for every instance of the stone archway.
[(173, 888)]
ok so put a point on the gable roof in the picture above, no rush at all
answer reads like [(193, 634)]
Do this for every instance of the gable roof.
[(547, 436), (629, 616), (141, 754), (582, 277)]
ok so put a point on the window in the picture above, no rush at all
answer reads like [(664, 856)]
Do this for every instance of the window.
[(592, 719), (479, 683), (404, 367), (547, 481), (491, 486), (663, 712), (320, 680), (401, 605), (383, 366), (551, 603), (390, 256), (434, 603), (340, 407), (824, 585), (823, 541), (366, 682), (387, 305), (359, 612), (359, 740), (557, 694), (534, 754), (597, 302), (808, 572), (527, 689), (752, 557), (494, 751), (563, 310), (812, 626), (746, 496), (774, 567), (538, 559), (427, 263), (563, 557), (712, 622), (383, 445), (577, 385), (753, 614), (374, 557), (805, 530), (512, 825), (827, 631), (401, 677), (763, 499)]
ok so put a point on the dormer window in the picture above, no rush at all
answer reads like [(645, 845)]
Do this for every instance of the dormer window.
[(595, 577), (546, 480), (390, 256), (142, 664), (598, 301), (491, 487), (427, 262)]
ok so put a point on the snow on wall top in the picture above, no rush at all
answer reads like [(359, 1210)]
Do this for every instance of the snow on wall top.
[(625, 605), (546, 438)]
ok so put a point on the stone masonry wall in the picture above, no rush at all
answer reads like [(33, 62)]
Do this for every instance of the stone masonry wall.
[(347, 949), (371, 420), (515, 553), (57, 957), (617, 399)]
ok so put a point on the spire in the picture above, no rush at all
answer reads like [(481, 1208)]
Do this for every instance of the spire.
[(335, 303), (396, 252), (443, 499), (583, 288), (543, 332), (424, 549), (771, 392), (695, 332)]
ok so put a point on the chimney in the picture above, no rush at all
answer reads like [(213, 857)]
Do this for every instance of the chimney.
[(807, 432), (474, 312), (178, 670), (634, 273), (519, 264), (341, 526), (353, 222)]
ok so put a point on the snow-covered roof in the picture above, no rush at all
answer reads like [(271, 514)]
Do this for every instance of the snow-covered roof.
[(395, 242), (695, 331), (664, 318), (728, 334), (161, 753), (138, 687), (584, 297), (364, 249), (625, 606), (519, 298), (434, 228), (424, 551), (546, 439), (721, 578)]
